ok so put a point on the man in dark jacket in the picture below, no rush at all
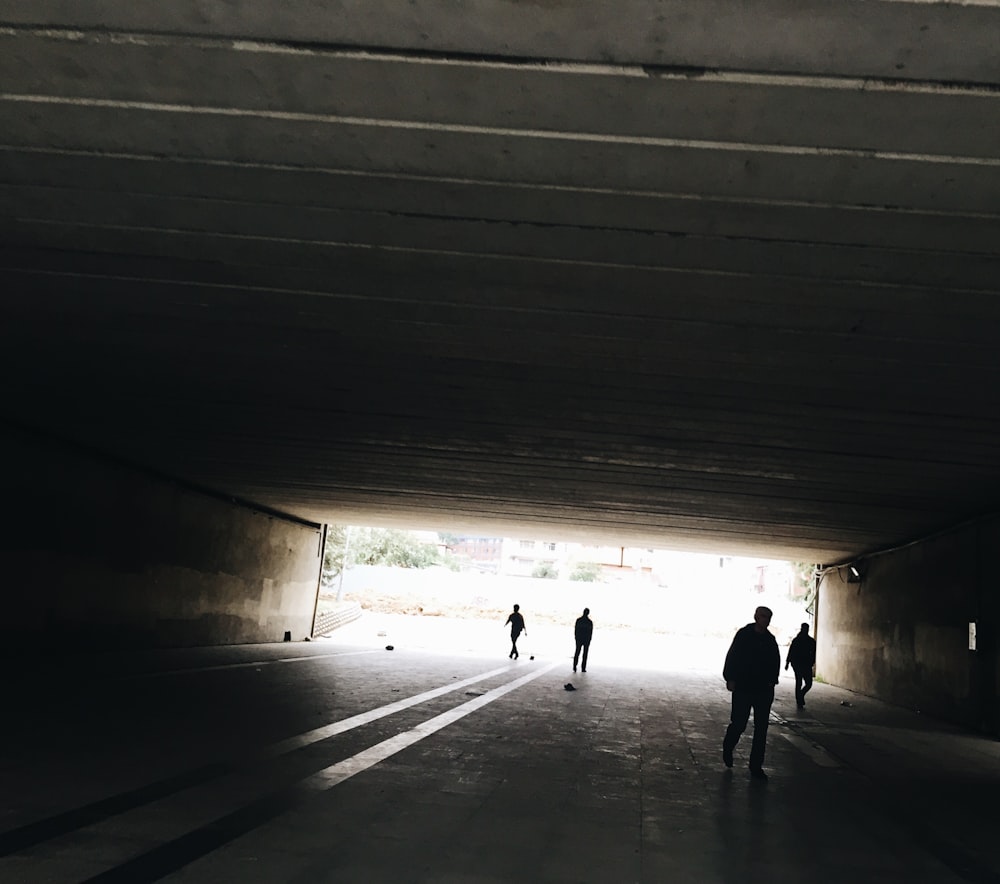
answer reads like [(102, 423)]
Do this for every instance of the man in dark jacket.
[(802, 656), (751, 672), (583, 631)]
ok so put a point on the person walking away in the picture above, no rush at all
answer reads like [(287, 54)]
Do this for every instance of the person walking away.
[(802, 657), (584, 631), (516, 621), (751, 671)]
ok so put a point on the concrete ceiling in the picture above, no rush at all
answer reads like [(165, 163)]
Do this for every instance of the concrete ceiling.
[(705, 275)]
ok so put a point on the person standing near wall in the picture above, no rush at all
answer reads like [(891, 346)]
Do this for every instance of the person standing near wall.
[(751, 671), (802, 657), (583, 631), (516, 621)]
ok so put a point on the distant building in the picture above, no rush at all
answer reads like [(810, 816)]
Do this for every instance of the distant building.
[(482, 553), (618, 562), (776, 578), (521, 556)]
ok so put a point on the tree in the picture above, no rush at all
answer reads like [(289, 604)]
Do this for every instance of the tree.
[(545, 569), (346, 546), (389, 546)]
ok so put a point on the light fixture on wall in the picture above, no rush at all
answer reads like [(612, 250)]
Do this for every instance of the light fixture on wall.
[(853, 574)]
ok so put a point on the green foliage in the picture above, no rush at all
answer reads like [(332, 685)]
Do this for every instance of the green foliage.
[(585, 572), (805, 584), (389, 546), (803, 574), (377, 546), (546, 570)]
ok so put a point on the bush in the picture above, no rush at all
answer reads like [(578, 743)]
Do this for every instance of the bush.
[(546, 570), (586, 572)]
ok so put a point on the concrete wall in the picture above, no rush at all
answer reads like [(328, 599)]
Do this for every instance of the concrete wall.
[(98, 554), (902, 633)]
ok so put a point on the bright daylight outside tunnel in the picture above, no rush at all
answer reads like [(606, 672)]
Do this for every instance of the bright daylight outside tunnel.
[(477, 441), (449, 591)]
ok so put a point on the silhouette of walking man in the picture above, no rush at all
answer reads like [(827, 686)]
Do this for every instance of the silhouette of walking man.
[(516, 622), (583, 630), (802, 656), (751, 672)]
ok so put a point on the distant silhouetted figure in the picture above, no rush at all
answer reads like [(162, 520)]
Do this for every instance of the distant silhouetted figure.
[(584, 631), (516, 622), (802, 656), (751, 672)]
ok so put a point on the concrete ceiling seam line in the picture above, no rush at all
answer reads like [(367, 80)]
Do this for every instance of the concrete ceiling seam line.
[(912, 39), (504, 132), (216, 164), (378, 55)]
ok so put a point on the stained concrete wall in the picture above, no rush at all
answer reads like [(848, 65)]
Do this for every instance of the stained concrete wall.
[(97, 554), (902, 633)]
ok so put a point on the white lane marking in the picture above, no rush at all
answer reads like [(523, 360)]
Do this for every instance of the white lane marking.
[(346, 724), (307, 738), (343, 770), (817, 753), (255, 663)]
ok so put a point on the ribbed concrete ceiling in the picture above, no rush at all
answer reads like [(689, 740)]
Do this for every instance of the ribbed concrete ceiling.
[(707, 275)]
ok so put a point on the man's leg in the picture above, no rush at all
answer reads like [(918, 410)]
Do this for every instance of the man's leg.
[(807, 683), (576, 656), (799, 699), (738, 718), (761, 701), (586, 651)]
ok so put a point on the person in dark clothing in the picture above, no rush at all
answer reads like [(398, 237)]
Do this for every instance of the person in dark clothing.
[(751, 672), (516, 621), (584, 631), (802, 657)]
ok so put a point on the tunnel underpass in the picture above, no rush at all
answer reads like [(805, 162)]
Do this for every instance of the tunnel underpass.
[(690, 276)]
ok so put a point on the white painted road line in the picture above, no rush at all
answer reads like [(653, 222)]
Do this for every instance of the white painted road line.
[(290, 744), (194, 670), (346, 724), (349, 767), (815, 752)]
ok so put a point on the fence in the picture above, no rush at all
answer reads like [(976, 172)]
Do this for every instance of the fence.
[(327, 621)]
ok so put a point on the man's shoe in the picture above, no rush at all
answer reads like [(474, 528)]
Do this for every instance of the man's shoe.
[(574, 669), (727, 757), (583, 670), (758, 774)]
